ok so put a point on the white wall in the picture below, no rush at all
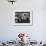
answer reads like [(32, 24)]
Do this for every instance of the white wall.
[(7, 29)]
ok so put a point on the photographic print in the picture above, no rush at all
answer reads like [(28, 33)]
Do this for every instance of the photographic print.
[(23, 18)]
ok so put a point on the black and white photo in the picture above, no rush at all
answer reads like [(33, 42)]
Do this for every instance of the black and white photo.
[(22, 17)]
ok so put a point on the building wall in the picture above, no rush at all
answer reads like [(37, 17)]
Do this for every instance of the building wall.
[(8, 31)]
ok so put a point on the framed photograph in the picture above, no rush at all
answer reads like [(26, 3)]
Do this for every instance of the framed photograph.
[(23, 17)]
